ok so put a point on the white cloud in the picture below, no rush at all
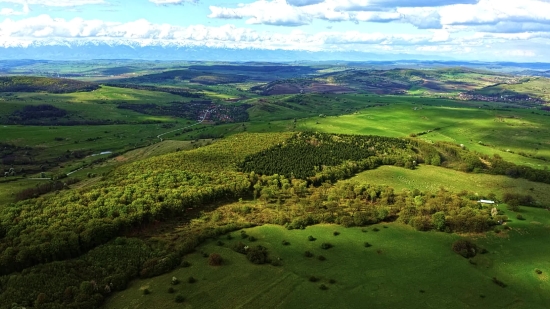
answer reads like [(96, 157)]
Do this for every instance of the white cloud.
[(167, 2), (54, 2), (276, 12), (12, 12), (460, 15), (46, 30)]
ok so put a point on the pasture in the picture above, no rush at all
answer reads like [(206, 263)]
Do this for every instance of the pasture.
[(432, 178), (402, 269), (517, 135)]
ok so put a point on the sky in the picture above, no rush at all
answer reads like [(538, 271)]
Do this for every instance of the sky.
[(485, 30)]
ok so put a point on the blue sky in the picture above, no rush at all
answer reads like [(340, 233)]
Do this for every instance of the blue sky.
[(459, 29)]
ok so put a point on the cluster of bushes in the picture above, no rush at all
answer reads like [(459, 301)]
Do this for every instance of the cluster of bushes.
[(44, 188)]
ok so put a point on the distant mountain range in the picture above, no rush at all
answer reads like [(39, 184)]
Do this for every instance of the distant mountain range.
[(63, 50), (67, 50)]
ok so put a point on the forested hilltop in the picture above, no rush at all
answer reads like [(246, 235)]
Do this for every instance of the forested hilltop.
[(43, 84), (43, 238)]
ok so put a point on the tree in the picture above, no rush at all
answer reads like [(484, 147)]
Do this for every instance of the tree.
[(215, 259), (438, 221)]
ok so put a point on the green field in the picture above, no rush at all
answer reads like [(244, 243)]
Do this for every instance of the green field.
[(402, 269), (432, 178), (504, 132)]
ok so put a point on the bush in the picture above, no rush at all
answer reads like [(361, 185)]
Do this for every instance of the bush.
[(239, 247), (336, 233), (311, 238), (146, 292), (215, 259), (244, 235), (321, 258), (175, 281), (376, 229), (498, 282), (367, 245), (220, 243), (347, 221), (229, 237), (191, 280), (180, 298), (323, 287), (251, 238), (308, 254), (520, 217), (185, 264), (332, 281), (326, 245), (313, 279), (465, 248), (258, 255), (171, 290), (538, 271), (286, 243)]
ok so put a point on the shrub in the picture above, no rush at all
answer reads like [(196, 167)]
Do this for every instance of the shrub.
[(498, 282), (146, 292), (347, 221), (308, 254), (376, 229), (364, 230), (244, 235), (229, 237), (332, 281), (215, 259), (285, 243), (313, 279), (175, 281), (465, 248), (323, 287), (191, 280), (239, 247), (538, 271), (311, 238), (321, 258), (336, 233), (185, 264), (171, 290), (520, 217), (258, 255), (220, 243), (180, 298), (251, 238), (367, 245), (326, 245)]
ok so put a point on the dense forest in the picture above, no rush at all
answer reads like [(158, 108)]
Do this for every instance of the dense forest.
[(176, 91), (43, 84), (177, 76), (46, 238)]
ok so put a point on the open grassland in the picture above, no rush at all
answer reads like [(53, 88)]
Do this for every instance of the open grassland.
[(538, 87), (98, 105), (402, 269), (432, 178), (505, 132)]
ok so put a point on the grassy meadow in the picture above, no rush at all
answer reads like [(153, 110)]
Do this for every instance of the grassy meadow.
[(402, 269), (504, 132), (432, 178)]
